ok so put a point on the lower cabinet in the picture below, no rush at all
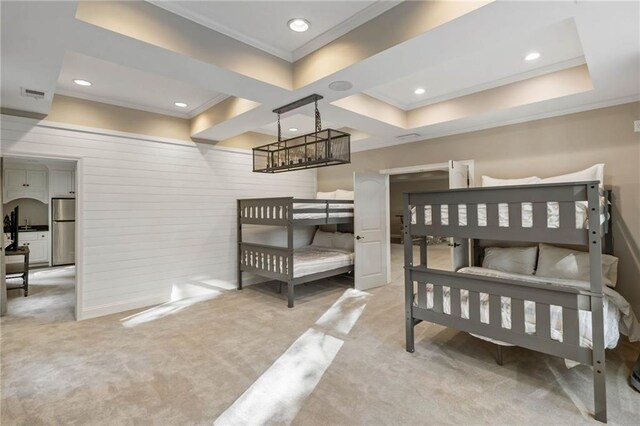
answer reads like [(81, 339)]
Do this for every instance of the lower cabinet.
[(38, 243)]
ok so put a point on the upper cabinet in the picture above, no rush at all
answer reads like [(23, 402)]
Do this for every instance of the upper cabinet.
[(63, 183), (25, 183)]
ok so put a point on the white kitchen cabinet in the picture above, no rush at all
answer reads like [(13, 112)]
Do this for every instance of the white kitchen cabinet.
[(63, 183), (21, 183)]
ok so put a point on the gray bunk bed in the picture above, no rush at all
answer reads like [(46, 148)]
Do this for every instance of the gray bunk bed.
[(276, 262), (571, 299)]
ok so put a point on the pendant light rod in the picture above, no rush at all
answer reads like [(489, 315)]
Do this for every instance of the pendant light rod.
[(297, 104)]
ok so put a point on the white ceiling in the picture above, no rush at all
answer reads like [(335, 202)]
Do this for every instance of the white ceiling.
[(263, 24), (304, 121), (128, 87), (478, 50), (493, 66)]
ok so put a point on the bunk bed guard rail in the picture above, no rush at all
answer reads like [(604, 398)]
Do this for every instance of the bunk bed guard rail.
[(282, 211), (436, 295)]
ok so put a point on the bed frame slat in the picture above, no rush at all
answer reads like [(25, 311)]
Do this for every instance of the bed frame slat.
[(540, 215), (474, 306), (422, 295), (437, 298), (492, 216), (420, 215), (570, 326), (543, 322), (567, 212), (517, 315), (515, 215), (435, 215), (495, 310), (455, 301), (472, 216)]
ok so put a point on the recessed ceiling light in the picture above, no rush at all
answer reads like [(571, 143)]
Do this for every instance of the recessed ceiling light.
[(419, 91), (293, 129), (298, 25), (340, 85), (532, 56), (180, 104), (81, 82)]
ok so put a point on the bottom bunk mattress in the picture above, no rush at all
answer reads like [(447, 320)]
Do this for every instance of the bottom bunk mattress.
[(615, 308), (313, 259)]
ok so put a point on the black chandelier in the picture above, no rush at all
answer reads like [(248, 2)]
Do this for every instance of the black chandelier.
[(320, 148)]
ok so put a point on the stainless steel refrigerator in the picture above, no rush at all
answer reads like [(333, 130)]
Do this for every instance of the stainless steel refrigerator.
[(63, 241)]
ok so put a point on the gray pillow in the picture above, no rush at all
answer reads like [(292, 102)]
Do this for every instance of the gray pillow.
[(516, 260)]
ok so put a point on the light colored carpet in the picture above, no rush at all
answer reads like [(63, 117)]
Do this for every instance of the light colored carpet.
[(188, 361)]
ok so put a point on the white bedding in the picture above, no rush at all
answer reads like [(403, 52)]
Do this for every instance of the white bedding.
[(312, 259), (553, 214), (322, 208), (616, 309)]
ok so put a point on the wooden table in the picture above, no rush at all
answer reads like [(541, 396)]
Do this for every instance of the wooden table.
[(19, 270)]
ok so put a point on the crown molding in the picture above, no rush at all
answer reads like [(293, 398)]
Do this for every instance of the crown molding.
[(186, 115), (351, 23), (175, 8), (536, 72)]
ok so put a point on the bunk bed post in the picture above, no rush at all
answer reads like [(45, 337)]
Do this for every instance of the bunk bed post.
[(597, 315), (290, 284), (239, 250), (408, 283), (608, 232)]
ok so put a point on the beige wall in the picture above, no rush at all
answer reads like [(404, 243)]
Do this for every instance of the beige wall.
[(65, 109), (545, 148)]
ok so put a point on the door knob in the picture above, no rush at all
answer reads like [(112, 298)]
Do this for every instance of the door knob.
[(359, 238)]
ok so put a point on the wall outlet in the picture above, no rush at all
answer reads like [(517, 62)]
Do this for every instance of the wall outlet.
[(636, 126)]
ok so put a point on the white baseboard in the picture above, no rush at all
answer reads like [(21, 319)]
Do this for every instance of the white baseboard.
[(114, 308)]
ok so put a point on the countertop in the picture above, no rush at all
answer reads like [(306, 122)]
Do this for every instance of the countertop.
[(34, 228)]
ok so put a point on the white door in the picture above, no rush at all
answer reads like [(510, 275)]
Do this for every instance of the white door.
[(370, 229), (459, 178)]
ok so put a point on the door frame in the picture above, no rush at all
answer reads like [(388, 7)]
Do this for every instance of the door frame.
[(79, 219), (416, 169)]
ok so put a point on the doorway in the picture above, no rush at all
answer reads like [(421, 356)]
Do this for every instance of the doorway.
[(442, 253), (40, 279)]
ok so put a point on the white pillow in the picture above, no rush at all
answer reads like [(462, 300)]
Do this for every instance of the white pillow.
[(556, 262), (341, 194), (343, 241), (592, 173), (489, 181), (323, 239), (517, 260), (326, 195)]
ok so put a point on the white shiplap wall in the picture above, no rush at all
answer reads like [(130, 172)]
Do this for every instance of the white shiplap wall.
[(153, 212)]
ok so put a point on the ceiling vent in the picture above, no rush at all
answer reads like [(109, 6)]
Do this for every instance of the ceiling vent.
[(32, 93), (408, 136)]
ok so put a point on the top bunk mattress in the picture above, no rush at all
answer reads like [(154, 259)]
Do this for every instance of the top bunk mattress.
[(321, 210)]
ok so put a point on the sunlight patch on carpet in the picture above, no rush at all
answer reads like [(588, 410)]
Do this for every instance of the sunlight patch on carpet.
[(166, 309), (277, 396), (343, 314)]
